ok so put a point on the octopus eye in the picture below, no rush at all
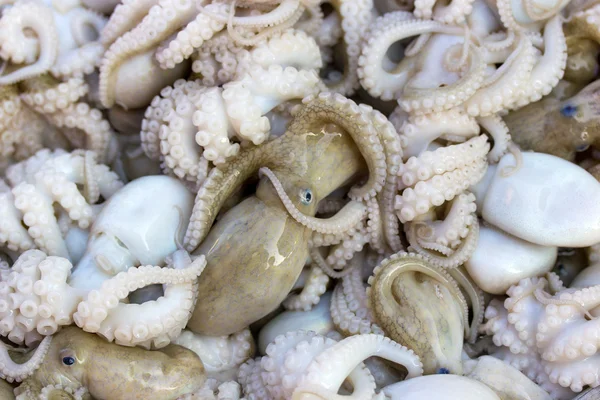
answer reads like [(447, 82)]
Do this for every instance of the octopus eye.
[(68, 361), (306, 196), (443, 371), (568, 110), (582, 147)]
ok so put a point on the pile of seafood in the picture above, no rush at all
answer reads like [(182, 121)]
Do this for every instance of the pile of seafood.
[(299, 199)]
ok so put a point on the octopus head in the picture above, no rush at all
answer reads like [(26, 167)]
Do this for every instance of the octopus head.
[(422, 307), (289, 188), (140, 225), (76, 359)]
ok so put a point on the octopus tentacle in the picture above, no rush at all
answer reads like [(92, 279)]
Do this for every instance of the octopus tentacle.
[(192, 37), (353, 242), (550, 68), (249, 377), (78, 62), (348, 308), (12, 233), (51, 392), (452, 229), (358, 122), (145, 324), (436, 183), (387, 301), (155, 27), (453, 13), (452, 259), (12, 371), (440, 188), (475, 295), (124, 18), (33, 297), (315, 286), (217, 188), (327, 371), (320, 261), (259, 92), (18, 48), (242, 39), (392, 146), (356, 15), (342, 221), (419, 131), (291, 48), (58, 102), (50, 178), (502, 89), (221, 354), (387, 30), (422, 100), (168, 126), (496, 127)]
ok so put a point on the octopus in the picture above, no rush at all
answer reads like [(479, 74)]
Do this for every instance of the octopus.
[(170, 31), (68, 364), (95, 293), (296, 364), (561, 128), (180, 130), (423, 306), (544, 329), (449, 73), (283, 206), (43, 207), (61, 38)]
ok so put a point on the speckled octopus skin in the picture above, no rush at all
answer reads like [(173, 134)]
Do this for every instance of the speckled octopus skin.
[(327, 121), (77, 359)]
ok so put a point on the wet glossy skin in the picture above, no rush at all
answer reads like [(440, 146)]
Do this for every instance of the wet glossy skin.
[(256, 251), (113, 372)]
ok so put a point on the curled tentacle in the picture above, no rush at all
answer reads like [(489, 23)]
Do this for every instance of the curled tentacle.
[(315, 286), (450, 259), (438, 176), (414, 313), (348, 307), (145, 324), (360, 123), (12, 371), (327, 371), (17, 47)]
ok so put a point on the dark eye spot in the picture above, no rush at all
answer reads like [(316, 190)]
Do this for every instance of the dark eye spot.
[(68, 360), (306, 196), (443, 371), (582, 147), (568, 110)]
